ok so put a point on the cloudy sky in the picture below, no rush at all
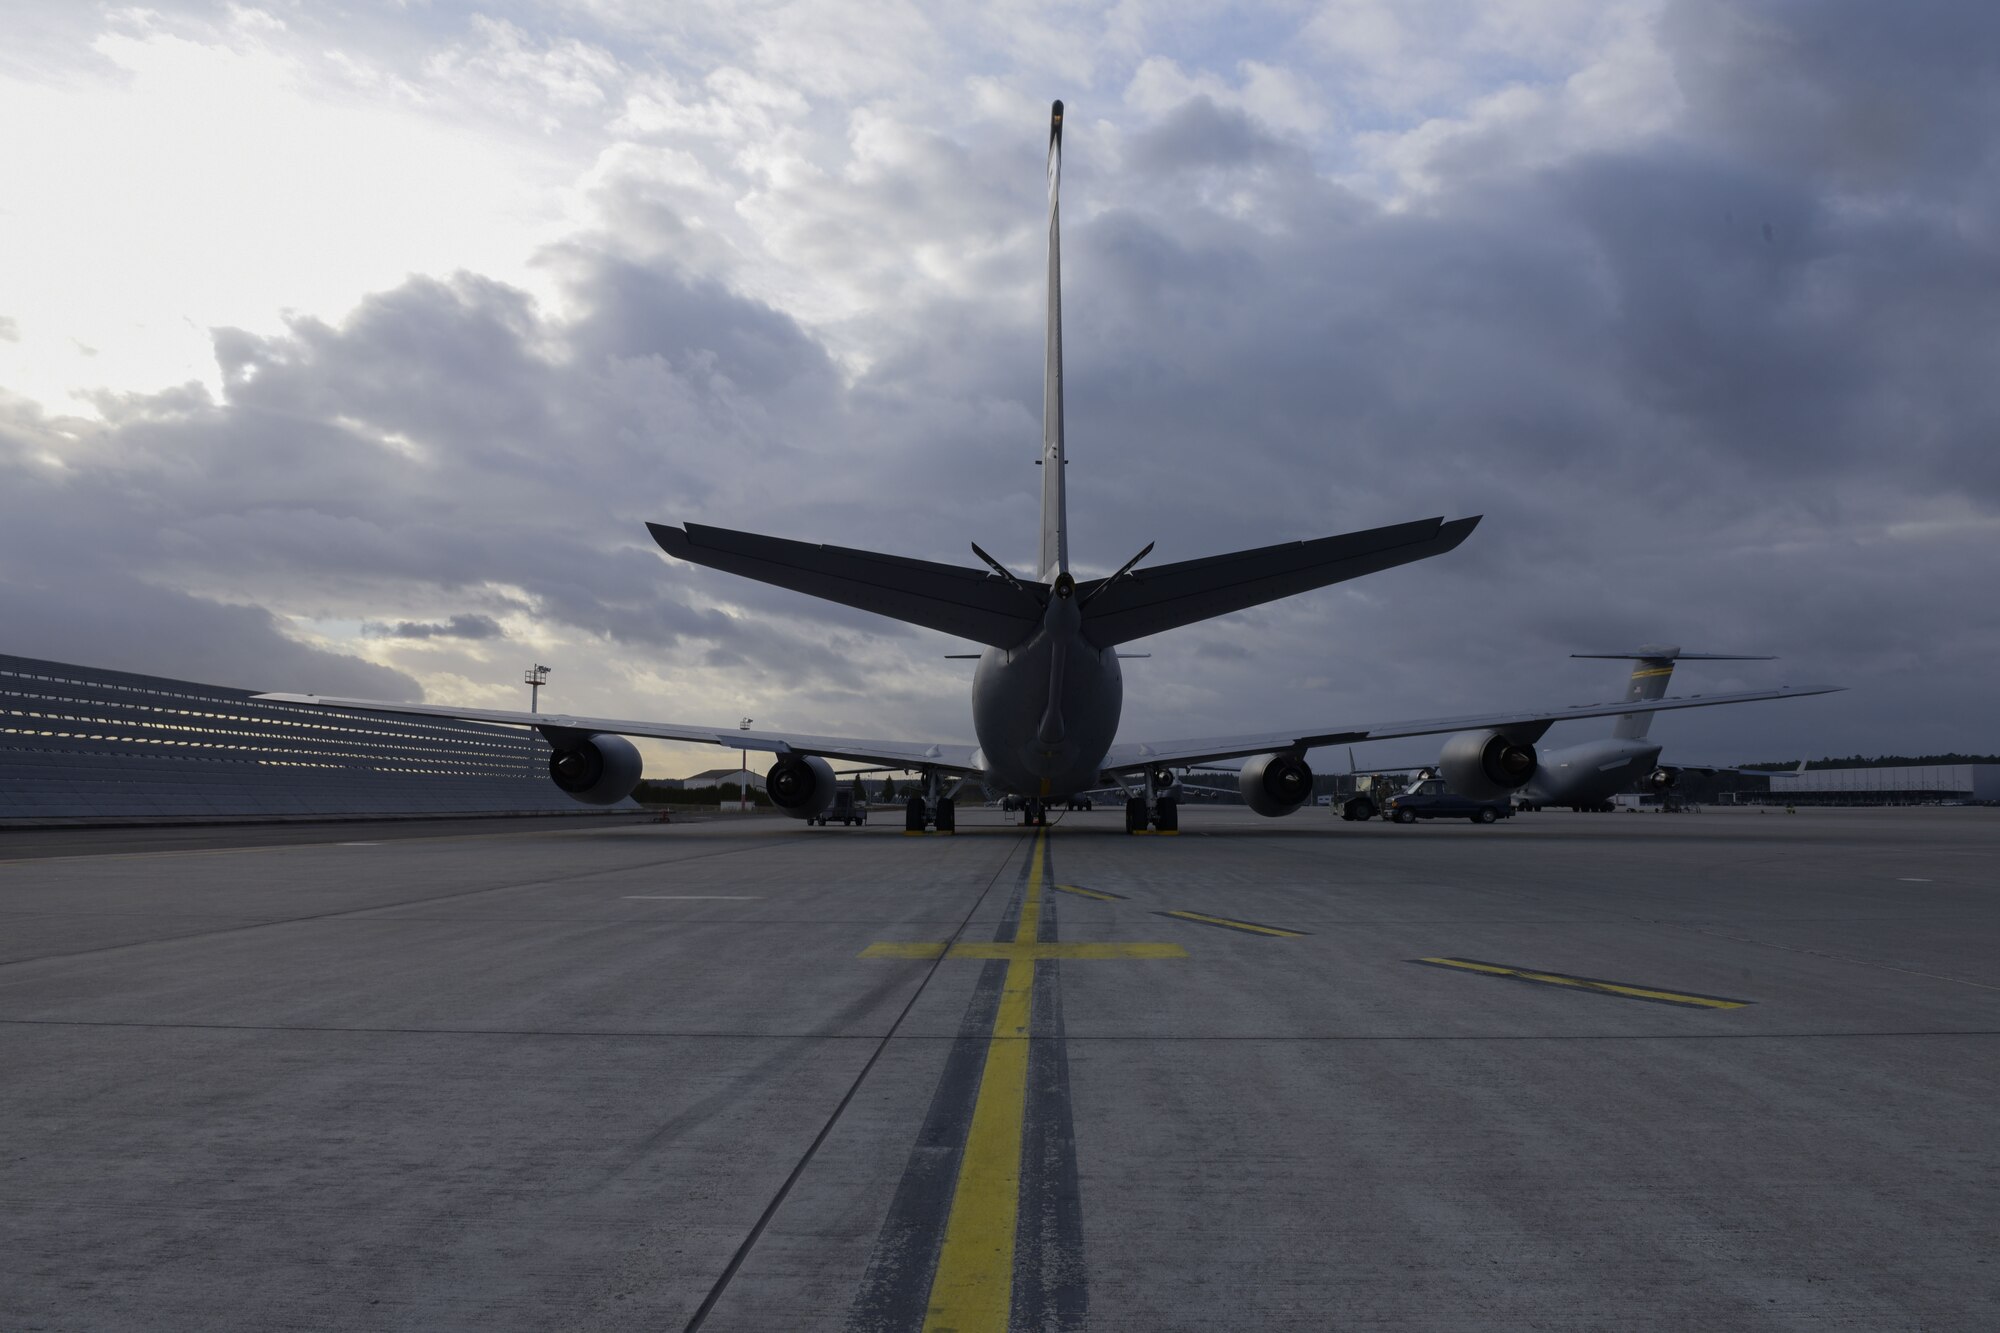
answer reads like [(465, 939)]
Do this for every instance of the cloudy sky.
[(348, 347)]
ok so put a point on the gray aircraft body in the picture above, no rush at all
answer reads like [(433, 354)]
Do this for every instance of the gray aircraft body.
[(1048, 691), (1587, 775)]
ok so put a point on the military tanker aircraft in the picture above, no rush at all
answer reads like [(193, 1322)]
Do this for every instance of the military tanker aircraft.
[(1048, 691)]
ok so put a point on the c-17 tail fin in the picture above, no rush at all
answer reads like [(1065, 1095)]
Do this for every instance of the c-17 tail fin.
[(1652, 667)]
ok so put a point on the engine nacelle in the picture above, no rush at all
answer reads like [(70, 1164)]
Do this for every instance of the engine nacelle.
[(801, 785), (1485, 765), (1662, 779), (599, 769), (1275, 784)]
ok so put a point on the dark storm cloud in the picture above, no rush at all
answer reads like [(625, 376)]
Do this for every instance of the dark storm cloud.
[(115, 622), (1861, 96), (458, 627), (1728, 385)]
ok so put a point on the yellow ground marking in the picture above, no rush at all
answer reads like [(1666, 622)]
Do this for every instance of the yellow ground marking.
[(1035, 952), (973, 1286), (1589, 983), (1234, 924), (972, 1289), (1088, 893)]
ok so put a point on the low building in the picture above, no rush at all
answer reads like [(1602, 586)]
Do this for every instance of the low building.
[(719, 777), (1920, 784), (79, 744)]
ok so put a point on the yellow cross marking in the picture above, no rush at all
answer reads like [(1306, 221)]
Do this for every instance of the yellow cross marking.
[(972, 1289), (1041, 949)]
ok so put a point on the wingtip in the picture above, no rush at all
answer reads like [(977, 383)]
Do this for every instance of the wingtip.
[(1456, 530), (1055, 121)]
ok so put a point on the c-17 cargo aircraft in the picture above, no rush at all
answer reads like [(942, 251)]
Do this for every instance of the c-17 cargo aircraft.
[(1587, 775), (1048, 691)]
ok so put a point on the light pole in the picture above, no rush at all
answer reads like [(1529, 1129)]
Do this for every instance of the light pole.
[(534, 678), (743, 787)]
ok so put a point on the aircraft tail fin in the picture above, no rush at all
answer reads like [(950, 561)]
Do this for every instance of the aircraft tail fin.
[(1652, 668), (1055, 518)]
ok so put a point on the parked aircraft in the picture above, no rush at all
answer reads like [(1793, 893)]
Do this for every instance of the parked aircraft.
[(1047, 693), (1587, 776)]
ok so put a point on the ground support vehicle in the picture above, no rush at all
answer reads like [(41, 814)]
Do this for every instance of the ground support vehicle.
[(845, 809), (1430, 800)]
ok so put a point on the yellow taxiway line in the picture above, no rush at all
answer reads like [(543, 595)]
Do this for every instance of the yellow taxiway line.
[(1230, 923), (1684, 998), (973, 1287)]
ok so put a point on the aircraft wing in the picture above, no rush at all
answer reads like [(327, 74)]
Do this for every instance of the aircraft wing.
[(1710, 770), (907, 754), (1523, 726)]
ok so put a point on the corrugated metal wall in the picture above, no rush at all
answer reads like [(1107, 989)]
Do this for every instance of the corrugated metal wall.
[(1960, 781), (80, 743)]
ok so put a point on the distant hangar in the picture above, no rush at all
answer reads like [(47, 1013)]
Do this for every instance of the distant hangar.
[(1912, 785), (80, 744)]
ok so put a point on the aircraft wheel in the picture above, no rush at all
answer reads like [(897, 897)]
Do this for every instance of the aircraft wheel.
[(913, 815), (1167, 816), (947, 815), (1135, 815)]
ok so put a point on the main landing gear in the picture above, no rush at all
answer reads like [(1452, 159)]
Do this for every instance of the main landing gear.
[(1165, 818), (941, 814), (1162, 812), (939, 811)]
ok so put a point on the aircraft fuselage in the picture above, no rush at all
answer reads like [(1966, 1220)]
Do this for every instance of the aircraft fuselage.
[(1590, 773), (1046, 710)]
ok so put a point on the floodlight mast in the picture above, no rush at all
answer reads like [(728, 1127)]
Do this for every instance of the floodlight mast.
[(534, 678)]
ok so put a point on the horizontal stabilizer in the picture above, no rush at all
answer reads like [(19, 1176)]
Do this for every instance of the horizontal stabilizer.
[(967, 602), (1147, 601), (1675, 655)]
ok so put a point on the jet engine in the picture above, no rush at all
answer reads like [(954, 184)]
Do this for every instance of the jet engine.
[(1485, 765), (801, 785), (1662, 779), (1276, 784), (599, 769)]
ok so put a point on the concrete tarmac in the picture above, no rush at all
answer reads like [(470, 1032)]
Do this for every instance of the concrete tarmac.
[(1721, 1070)]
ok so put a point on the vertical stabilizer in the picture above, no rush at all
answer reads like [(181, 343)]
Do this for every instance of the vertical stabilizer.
[(1055, 524), (1652, 668)]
